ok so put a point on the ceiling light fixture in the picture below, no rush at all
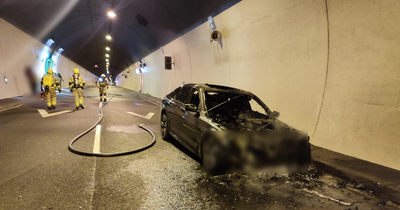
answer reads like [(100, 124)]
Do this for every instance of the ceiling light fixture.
[(111, 14), (107, 48), (107, 55), (108, 37)]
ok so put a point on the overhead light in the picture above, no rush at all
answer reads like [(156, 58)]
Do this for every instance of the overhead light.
[(111, 14), (107, 55), (107, 48), (5, 79), (108, 37), (107, 59)]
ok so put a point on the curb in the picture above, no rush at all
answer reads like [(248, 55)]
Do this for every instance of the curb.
[(382, 192), (13, 103)]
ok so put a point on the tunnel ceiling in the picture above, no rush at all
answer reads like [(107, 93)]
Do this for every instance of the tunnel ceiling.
[(80, 26)]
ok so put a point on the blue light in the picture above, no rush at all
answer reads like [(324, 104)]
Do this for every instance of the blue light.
[(49, 42), (101, 79)]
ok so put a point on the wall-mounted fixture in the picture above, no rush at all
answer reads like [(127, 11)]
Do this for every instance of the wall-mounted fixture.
[(49, 42), (215, 34), (5, 79), (142, 64), (168, 62), (60, 50)]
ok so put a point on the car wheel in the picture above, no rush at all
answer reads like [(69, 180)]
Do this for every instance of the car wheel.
[(164, 127)]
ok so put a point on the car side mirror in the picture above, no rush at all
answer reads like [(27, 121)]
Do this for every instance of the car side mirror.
[(275, 114), (191, 107)]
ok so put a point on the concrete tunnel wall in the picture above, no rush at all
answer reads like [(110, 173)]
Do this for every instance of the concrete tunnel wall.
[(19, 50), (331, 68)]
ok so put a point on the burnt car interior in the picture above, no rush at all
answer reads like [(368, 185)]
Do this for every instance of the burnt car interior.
[(236, 111)]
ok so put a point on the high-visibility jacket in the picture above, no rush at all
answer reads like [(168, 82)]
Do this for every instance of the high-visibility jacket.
[(76, 81), (50, 81)]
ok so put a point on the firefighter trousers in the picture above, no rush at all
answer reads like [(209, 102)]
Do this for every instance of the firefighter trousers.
[(50, 94), (78, 95)]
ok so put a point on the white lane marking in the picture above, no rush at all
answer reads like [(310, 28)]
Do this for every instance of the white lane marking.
[(13, 107), (96, 146), (148, 116), (46, 114)]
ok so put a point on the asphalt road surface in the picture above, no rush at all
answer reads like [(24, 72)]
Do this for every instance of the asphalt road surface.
[(37, 171)]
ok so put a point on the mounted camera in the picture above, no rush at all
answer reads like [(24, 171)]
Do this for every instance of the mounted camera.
[(215, 36)]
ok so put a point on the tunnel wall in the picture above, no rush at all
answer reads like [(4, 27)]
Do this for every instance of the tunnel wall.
[(330, 68), (19, 50)]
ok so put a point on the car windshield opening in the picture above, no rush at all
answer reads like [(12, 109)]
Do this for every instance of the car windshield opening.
[(230, 107)]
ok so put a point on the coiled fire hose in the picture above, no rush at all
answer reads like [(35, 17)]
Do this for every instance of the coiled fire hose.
[(109, 154)]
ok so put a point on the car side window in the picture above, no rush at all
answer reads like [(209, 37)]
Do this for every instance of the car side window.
[(174, 93), (183, 95)]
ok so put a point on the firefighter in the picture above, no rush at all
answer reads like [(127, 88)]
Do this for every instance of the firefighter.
[(76, 84), (49, 84), (102, 84)]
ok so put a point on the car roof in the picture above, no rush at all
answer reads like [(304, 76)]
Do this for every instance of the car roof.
[(218, 88)]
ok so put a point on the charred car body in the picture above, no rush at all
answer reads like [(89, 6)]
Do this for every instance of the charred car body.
[(231, 130)]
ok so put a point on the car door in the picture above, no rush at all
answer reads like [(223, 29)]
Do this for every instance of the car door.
[(190, 130), (176, 112)]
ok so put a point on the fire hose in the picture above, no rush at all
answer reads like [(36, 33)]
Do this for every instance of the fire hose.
[(109, 154)]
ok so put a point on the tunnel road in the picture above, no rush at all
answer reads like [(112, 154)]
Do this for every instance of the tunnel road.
[(37, 171)]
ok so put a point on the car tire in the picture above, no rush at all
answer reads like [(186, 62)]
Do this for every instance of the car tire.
[(165, 127)]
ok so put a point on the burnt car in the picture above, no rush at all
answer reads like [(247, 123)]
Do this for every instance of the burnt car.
[(230, 129)]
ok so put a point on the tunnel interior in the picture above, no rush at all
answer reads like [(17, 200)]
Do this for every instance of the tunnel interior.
[(328, 69)]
